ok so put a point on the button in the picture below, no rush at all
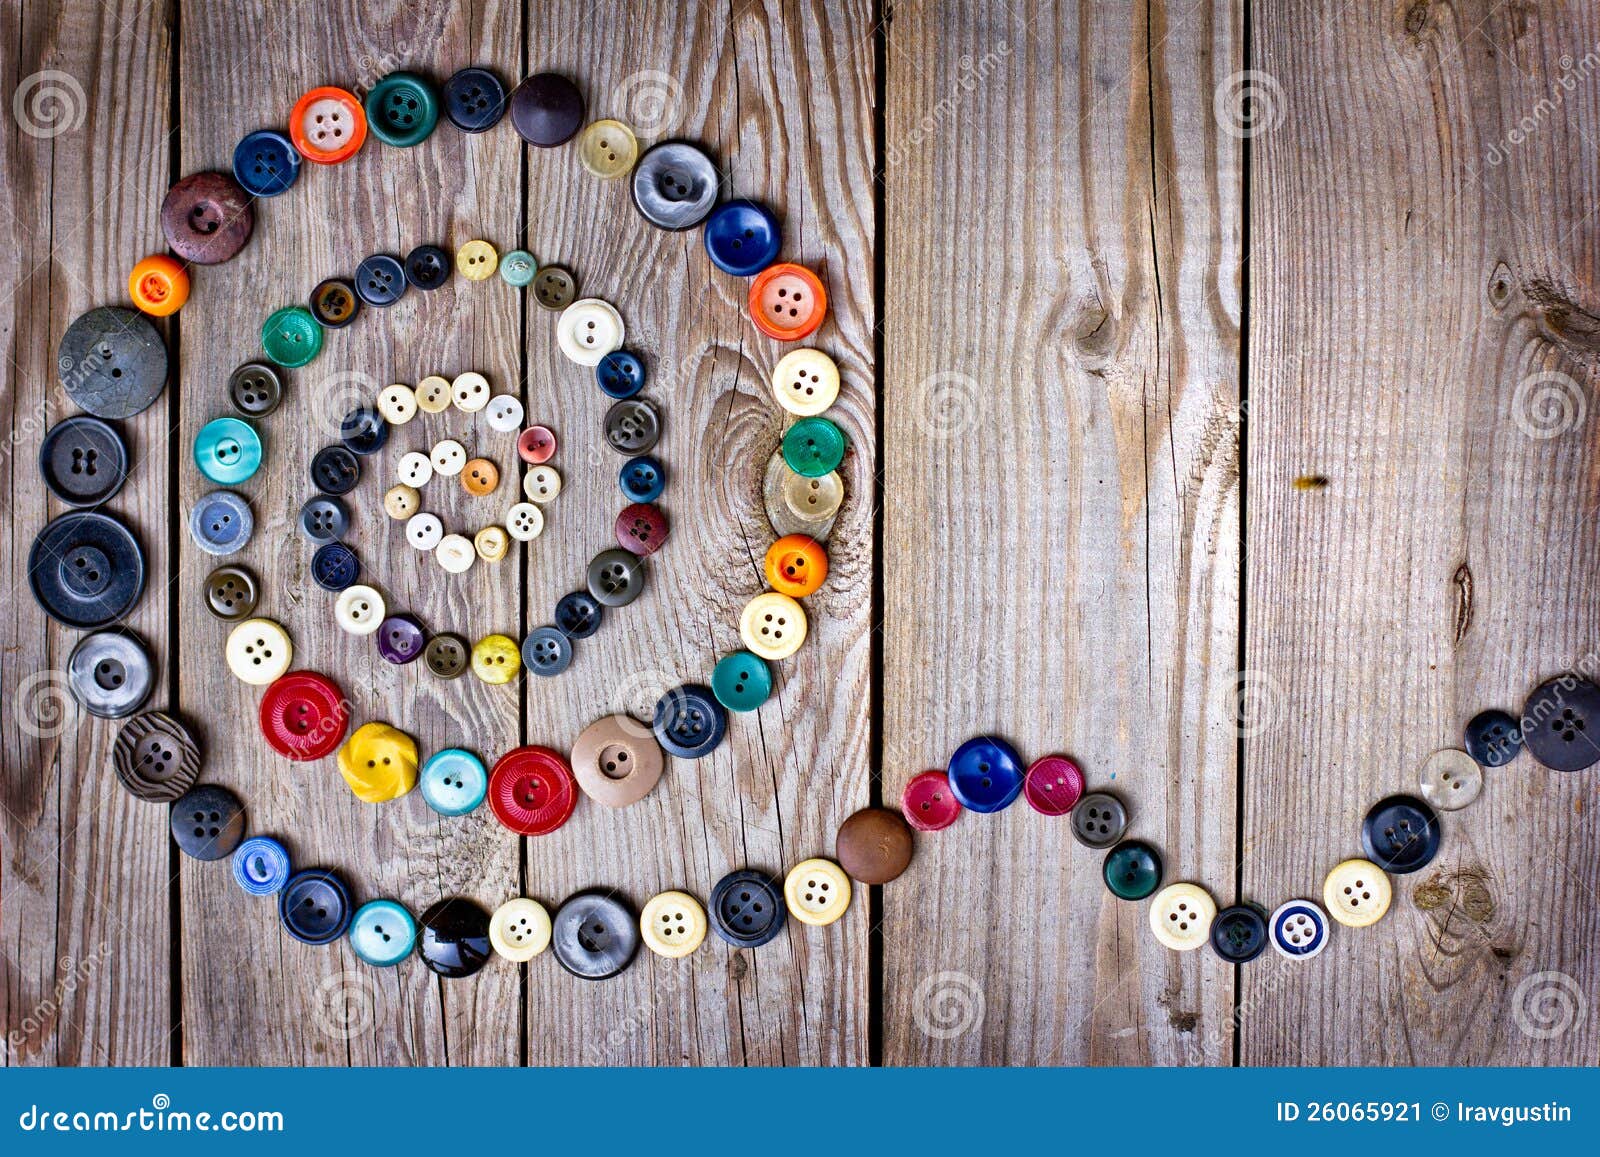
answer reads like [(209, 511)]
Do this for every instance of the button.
[(402, 501), (400, 639), (587, 330), (415, 469), (812, 499), (536, 445), (382, 933), (402, 109), (255, 389), (742, 238), (643, 479), (433, 394), (1299, 929), (607, 149), (334, 303), (261, 866), (1239, 933), (291, 337), (491, 543), (84, 461), (109, 674), (328, 125), (796, 566), (455, 553), (633, 426), (207, 218), (805, 382), (446, 656), (86, 569), (453, 781), (578, 614), (379, 762), (207, 822), (258, 651), (1099, 820), (335, 470), (1561, 723), (380, 280), (424, 531), (1357, 893), (928, 803), (474, 100), (363, 431), (547, 651), (595, 936), (155, 757), (773, 626), (520, 929), (477, 260), (1493, 737), (1451, 779), (620, 374), (524, 522), (495, 659), (359, 610), (616, 577), (787, 302), (112, 362), (335, 567), (227, 451), (531, 790), (547, 109), (324, 519), (231, 593), (689, 722), (741, 681), (480, 476), (1181, 916), (1132, 870), (1400, 834), (816, 892), (985, 774), (615, 764), (427, 267), (641, 528), (554, 287), (675, 185), (314, 906), (266, 163), (747, 908), (158, 285), (874, 845), (673, 924), (303, 716), (813, 447), (504, 413), (1053, 785), (517, 268), (449, 457)]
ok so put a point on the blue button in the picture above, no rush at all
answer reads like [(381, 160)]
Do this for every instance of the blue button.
[(747, 908), (221, 522), (314, 906), (364, 431), (380, 280), (261, 866), (335, 566), (1299, 929), (689, 722), (474, 100), (227, 451), (985, 774), (266, 163), (578, 614), (1400, 834), (620, 374), (741, 681), (547, 651), (382, 933), (643, 478), (453, 781), (743, 238)]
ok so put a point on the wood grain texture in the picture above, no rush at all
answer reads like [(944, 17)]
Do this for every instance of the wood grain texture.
[(1445, 250), (1061, 547)]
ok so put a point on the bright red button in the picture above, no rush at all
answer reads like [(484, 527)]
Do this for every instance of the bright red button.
[(532, 790), (1053, 786), (304, 716), (536, 444), (787, 302), (928, 803)]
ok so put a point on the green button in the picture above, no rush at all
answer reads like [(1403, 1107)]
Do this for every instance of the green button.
[(1132, 870), (813, 447), (291, 337), (741, 681), (518, 267), (402, 109), (227, 451)]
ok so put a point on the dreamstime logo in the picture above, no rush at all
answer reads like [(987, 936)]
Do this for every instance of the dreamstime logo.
[(346, 1005), (1252, 701), (1248, 104), (49, 103), (636, 697), (1548, 404), (950, 404), (370, 69), (948, 1004), (42, 705), (970, 73), (70, 973), (1547, 1005), (1572, 73), (650, 101), (337, 396)]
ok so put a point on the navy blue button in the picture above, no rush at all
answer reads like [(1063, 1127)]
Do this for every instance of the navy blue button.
[(578, 614), (221, 522), (643, 478), (84, 461), (620, 374), (266, 163), (742, 238), (261, 866), (363, 430), (1561, 723), (986, 774), (335, 566), (455, 937), (207, 822), (1239, 933), (547, 651), (324, 519), (86, 569), (314, 906), (1400, 834), (428, 267), (474, 100), (334, 470), (380, 280), (747, 908), (689, 722), (1493, 737)]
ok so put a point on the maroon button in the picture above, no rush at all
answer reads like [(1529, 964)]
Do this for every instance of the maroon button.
[(928, 803), (536, 444), (207, 218), (532, 790), (1053, 786), (304, 716), (641, 528)]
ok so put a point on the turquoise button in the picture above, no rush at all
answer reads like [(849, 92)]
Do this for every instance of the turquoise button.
[(227, 451), (518, 267), (741, 681), (813, 447), (383, 933), (291, 336), (453, 781)]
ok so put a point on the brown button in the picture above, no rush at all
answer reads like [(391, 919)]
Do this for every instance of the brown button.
[(874, 845), (402, 501), (155, 757), (641, 528), (554, 288), (231, 593), (446, 656), (491, 543), (616, 761), (480, 476), (207, 218)]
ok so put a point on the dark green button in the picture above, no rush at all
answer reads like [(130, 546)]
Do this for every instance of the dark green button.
[(1132, 870), (291, 337), (741, 681), (813, 447), (402, 109)]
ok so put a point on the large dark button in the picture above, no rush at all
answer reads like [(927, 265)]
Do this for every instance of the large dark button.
[(112, 362), (314, 906), (689, 722), (675, 185), (547, 109), (547, 651), (335, 470), (231, 593), (1561, 723), (985, 774), (84, 461), (380, 280), (363, 430), (632, 426), (208, 822), (1132, 870), (743, 238), (324, 519), (266, 163), (1400, 834), (221, 522), (155, 757), (1493, 737), (428, 267), (1099, 820), (594, 936), (874, 845), (1239, 933), (446, 656), (455, 937), (474, 100), (335, 566), (86, 569), (616, 577), (747, 908), (255, 389), (109, 674), (578, 614), (334, 303), (207, 218)]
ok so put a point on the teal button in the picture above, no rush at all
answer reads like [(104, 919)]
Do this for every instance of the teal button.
[(453, 781), (518, 267), (741, 681), (291, 336), (1132, 870), (402, 109), (813, 446), (383, 933), (227, 451)]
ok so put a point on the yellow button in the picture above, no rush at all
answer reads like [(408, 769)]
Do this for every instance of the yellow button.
[(541, 484), (455, 553), (491, 543), (470, 392), (816, 891), (805, 382), (773, 626), (608, 149), (415, 469), (401, 501), (525, 521), (433, 394), (358, 610), (1181, 915), (477, 260), (1357, 893), (397, 404), (496, 659), (520, 929), (379, 762), (673, 924), (258, 651)]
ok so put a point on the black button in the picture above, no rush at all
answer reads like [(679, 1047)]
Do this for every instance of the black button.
[(1561, 723), (86, 569), (335, 566), (747, 908), (1400, 834), (334, 303), (109, 673), (547, 109), (335, 470), (363, 430), (1239, 933), (314, 906), (689, 722), (324, 519), (455, 937), (1493, 737), (112, 362), (616, 577), (231, 593), (579, 614), (155, 757), (427, 267), (84, 461), (207, 218), (380, 280), (474, 100), (632, 426), (255, 389), (675, 185), (208, 822), (594, 936), (446, 656)]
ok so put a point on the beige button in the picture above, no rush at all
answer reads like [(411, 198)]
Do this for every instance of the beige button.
[(491, 543), (258, 651), (608, 149), (525, 522), (455, 553), (433, 394), (397, 404), (673, 924), (424, 530), (401, 501), (477, 260), (358, 610), (1451, 779), (505, 413), (614, 764), (813, 499), (470, 392), (805, 382), (449, 457), (415, 469), (816, 891), (773, 625), (541, 484), (1357, 893), (520, 929), (588, 330), (1181, 915)]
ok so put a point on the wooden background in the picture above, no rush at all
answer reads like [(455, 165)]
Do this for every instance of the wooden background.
[(1098, 329)]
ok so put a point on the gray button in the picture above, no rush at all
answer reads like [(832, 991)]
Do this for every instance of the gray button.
[(324, 519), (112, 362), (221, 522), (1099, 820), (633, 426), (594, 936), (547, 651), (616, 577), (255, 389), (109, 674), (84, 461), (675, 185)]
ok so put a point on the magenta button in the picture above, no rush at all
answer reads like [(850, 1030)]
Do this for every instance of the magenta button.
[(1053, 786)]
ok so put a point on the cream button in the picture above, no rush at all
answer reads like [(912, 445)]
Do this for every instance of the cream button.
[(773, 626), (397, 404), (520, 929), (424, 530), (673, 924), (588, 330), (608, 149), (358, 610), (491, 543), (402, 501), (456, 553), (448, 458), (525, 522), (1451, 779), (1181, 915), (816, 891), (470, 392), (433, 394), (1357, 893), (505, 413), (541, 484), (805, 382), (258, 651), (415, 469), (813, 499)]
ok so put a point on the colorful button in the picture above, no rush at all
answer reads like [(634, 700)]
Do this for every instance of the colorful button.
[(155, 757), (812, 499), (813, 447), (607, 149), (588, 330), (382, 933), (1239, 933), (578, 614), (536, 445), (642, 479), (402, 501), (479, 477), (227, 451), (328, 125), (620, 374), (159, 285), (402, 109), (616, 577), (266, 163), (689, 722), (335, 567), (427, 267), (1132, 870), (985, 774), (1561, 723), (220, 523), (359, 610), (477, 260), (1451, 779), (747, 908), (805, 382), (1357, 893), (446, 656), (532, 791), (928, 804), (741, 681), (455, 554), (86, 569), (334, 303), (379, 762), (314, 906), (554, 287), (675, 185), (491, 543), (455, 937), (496, 659), (258, 652), (615, 761), (304, 716), (546, 109), (207, 218), (255, 389), (400, 639), (335, 470), (874, 845), (231, 593), (504, 413), (260, 866), (1053, 785), (816, 892), (83, 460), (448, 457), (112, 363), (324, 519), (1099, 820), (1493, 737), (380, 280), (291, 337), (673, 924), (453, 781), (524, 522), (547, 651), (1299, 929), (796, 565), (641, 528), (474, 100), (541, 484), (520, 929), (773, 626), (787, 302), (517, 268), (1181, 916), (433, 394), (1400, 834), (595, 936), (109, 674)]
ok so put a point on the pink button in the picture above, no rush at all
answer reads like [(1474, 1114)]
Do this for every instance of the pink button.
[(536, 444), (1053, 786), (928, 803)]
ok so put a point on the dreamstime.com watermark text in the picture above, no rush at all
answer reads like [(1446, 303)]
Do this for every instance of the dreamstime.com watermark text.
[(160, 1117)]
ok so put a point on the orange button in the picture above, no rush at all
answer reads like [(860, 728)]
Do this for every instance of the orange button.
[(787, 302), (796, 566), (159, 285), (480, 477), (328, 125)]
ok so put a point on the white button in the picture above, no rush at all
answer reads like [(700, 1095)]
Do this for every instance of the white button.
[(541, 484), (520, 929), (525, 522), (773, 626), (816, 892), (1357, 893), (397, 404), (1299, 929), (456, 553), (415, 469), (433, 394), (448, 458), (1451, 779), (470, 391), (673, 924), (588, 330), (424, 530), (805, 382), (358, 610), (1181, 915), (258, 651), (505, 413)]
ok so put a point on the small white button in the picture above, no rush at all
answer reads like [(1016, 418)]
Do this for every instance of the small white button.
[(424, 530), (258, 651), (520, 929), (433, 394), (588, 330), (415, 469), (470, 392), (358, 610), (541, 484), (397, 404), (1181, 915), (504, 413), (448, 458), (1357, 893), (805, 382), (456, 553), (524, 522)]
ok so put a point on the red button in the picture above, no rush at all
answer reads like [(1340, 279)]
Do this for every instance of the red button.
[(532, 790), (928, 803), (787, 302), (304, 716), (536, 444), (641, 528), (1053, 786)]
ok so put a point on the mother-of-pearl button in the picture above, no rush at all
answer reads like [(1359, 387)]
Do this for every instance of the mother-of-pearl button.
[(1451, 779), (358, 610), (588, 330), (258, 651), (448, 457), (505, 413), (1181, 915)]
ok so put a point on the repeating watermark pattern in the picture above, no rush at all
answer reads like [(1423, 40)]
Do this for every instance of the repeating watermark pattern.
[(371, 68), (346, 1005), (636, 696), (1248, 104), (49, 103), (1252, 702), (1572, 74), (947, 1005), (650, 101), (43, 704), (1548, 404), (1547, 1005), (970, 73), (336, 396), (70, 973), (950, 404)]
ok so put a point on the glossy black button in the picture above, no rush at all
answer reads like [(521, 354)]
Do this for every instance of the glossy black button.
[(380, 280), (207, 822), (112, 362), (616, 577), (155, 757), (231, 593), (207, 218), (364, 431), (86, 569), (689, 722), (1561, 723), (428, 267), (474, 100), (334, 303), (255, 389), (446, 656), (675, 185), (1099, 820), (547, 651), (335, 470), (594, 936), (110, 674), (314, 906), (1132, 870), (335, 566), (324, 519), (1239, 933), (747, 908), (547, 109), (632, 427), (84, 460), (1493, 737), (578, 614), (455, 937), (1400, 834)]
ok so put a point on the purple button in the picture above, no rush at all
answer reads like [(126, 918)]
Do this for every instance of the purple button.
[(400, 639)]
